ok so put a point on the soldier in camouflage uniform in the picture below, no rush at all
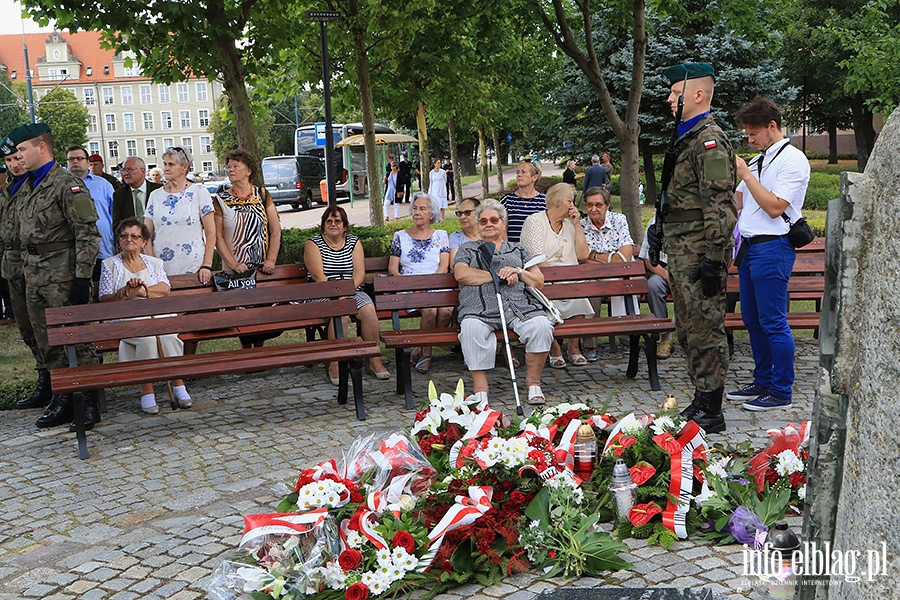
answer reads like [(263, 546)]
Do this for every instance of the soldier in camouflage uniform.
[(11, 269), (58, 231), (698, 239)]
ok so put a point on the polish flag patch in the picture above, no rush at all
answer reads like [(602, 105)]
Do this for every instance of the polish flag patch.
[(709, 144), (75, 189)]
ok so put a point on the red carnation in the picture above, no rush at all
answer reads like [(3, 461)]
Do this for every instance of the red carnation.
[(797, 479), (356, 497), (358, 591), (403, 539), (422, 414), (641, 472), (349, 559), (642, 513), (772, 477)]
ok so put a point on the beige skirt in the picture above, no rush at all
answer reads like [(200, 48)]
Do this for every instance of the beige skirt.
[(576, 307), (144, 348)]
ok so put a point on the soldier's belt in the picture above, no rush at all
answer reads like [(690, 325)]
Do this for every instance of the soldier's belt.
[(683, 216), (51, 247), (11, 245)]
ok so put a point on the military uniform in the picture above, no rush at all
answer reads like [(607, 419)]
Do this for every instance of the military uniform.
[(700, 223)]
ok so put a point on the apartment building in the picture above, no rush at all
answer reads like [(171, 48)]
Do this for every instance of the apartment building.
[(129, 114)]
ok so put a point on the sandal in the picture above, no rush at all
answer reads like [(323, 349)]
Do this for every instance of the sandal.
[(424, 365), (535, 395), (557, 362), (578, 360), (382, 375)]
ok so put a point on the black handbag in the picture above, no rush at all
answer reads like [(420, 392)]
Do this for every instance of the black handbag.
[(224, 282), (800, 233)]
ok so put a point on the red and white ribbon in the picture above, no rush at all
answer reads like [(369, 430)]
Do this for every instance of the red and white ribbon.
[(565, 452), (682, 479), (256, 526), (464, 512), (483, 424)]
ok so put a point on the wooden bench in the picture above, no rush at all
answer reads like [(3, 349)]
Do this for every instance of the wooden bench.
[(400, 294), (245, 310)]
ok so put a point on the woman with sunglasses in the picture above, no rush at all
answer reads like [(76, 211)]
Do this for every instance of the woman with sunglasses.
[(469, 228), (336, 254), (181, 220), (479, 313)]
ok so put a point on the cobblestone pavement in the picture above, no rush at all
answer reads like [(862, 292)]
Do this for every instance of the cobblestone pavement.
[(162, 497)]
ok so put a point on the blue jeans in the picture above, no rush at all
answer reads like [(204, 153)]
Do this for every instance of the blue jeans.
[(764, 273)]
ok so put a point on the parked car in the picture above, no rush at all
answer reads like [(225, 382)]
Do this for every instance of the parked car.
[(294, 180)]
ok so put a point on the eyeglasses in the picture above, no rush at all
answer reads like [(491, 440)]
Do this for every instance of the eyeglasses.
[(130, 236), (334, 221), (180, 149), (127, 170), (460, 213), (76, 158), (492, 221)]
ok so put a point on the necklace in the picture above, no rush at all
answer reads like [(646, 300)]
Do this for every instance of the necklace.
[(235, 193)]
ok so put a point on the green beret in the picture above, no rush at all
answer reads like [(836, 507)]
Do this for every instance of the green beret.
[(27, 132), (7, 147), (684, 71)]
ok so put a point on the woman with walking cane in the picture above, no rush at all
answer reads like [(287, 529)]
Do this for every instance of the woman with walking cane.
[(487, 304), (133, 275)]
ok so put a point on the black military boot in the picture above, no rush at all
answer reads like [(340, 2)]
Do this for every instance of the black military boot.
[(58, 412), (710, 417), (693, 409), (41, 395), (91, 411)]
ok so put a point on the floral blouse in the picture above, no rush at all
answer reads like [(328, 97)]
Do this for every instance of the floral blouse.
[(420, 257)]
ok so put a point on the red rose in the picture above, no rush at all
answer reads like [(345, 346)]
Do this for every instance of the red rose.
[(772, 477), (642, 513), (573, 414), (357, 591), (622, 443), (667, 442), (354, 520), (641, 472), (403, 539), (797, 479), (349, 559), (356, 497)]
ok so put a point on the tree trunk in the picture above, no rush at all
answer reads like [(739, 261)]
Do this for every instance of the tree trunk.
[(496, 137), (650, 192), (367, 106), (454, 160), (482, 149), (233, 83), (424, 163), (832, 145), (863, 131)]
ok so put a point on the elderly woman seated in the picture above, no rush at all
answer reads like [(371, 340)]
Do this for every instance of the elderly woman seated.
[(479, 313)]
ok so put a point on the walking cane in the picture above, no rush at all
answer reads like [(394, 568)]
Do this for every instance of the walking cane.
[(172, 401), (487, 252)]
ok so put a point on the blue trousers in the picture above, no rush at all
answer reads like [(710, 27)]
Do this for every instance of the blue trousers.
[(764, 273)]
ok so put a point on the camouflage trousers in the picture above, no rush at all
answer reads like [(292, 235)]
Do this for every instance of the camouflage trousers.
[(23, 319), (39, 298), (699, 324)]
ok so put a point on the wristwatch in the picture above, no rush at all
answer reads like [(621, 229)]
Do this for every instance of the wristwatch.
[(519, 270)]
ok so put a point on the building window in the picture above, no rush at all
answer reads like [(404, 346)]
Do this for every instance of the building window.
[(131, 148), (128, 120), (168, 142), (205, 145), (92, 124), (73, 91), (89, 96), (165, 119), (187, 144), (182, 89), (150, 147), (164, 97), (203, 118), (147, 118), (207, 166), (184, 118), (108, 97), (133, 71), (58, 74), (110, 123), (200, 88), (146, 98), (127, 98), (94, 147), (113, 150)]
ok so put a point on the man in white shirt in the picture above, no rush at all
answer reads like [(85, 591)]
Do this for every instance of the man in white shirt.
[(131, 199), (773, 184)]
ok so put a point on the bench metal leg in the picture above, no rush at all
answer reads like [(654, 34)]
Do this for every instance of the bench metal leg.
[(356, 375), (634, 344), (80, 435), (343, 372), (404, 376), (650, 350)]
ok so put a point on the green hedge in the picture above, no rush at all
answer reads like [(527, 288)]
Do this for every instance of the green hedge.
[(822, 188)]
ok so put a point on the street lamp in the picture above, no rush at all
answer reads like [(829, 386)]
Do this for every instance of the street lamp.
[(322, 17)]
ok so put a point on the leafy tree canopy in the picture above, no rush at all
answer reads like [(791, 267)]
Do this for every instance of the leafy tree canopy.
[(67, 118)]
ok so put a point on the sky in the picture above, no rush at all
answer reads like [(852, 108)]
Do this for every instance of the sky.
[(11, 22)]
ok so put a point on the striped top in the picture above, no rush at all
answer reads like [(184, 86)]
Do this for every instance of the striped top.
[(336, 264), (518, 209)]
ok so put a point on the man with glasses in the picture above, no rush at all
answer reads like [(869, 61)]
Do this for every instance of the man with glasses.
[(131, 199), (57, 227), (102, 193), (96, 164)]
